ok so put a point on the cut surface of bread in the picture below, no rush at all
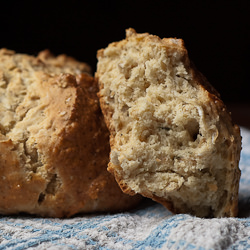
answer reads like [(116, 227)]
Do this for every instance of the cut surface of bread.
[(53, 140), (171, 136)]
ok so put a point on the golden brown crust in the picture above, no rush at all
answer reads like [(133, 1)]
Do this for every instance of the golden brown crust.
[(63, 60), (54, 143), (116, 69)]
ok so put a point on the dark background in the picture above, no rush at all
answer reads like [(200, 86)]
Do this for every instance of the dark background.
[(216, 33)]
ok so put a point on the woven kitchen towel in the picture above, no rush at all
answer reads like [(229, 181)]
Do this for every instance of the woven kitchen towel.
[(148, 227)]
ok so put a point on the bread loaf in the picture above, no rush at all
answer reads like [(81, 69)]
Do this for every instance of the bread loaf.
[(172, 138), (53, 140)]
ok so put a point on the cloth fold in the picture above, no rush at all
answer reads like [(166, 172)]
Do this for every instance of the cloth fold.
[(148, 227)]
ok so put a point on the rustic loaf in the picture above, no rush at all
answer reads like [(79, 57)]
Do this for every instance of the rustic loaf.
[(172, 138), (53, 140)]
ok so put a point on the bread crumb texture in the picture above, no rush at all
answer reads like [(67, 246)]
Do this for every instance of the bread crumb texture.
[(53, 140), (172, 138)]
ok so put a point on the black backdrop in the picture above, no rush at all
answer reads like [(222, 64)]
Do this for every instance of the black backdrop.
[(216, 33)]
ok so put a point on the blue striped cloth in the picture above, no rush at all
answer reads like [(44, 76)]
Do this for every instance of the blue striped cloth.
[(148, 227)]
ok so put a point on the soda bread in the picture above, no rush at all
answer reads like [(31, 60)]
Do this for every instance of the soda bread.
[(172, 138), (53, 140)]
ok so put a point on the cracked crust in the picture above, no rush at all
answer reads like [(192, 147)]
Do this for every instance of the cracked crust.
[(53, 140), (172, 138)]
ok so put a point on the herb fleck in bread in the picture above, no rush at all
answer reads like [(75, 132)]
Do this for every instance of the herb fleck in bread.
[(172, 138), (53, 140)]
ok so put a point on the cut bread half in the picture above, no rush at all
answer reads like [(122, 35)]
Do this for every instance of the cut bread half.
[(172, 138)]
